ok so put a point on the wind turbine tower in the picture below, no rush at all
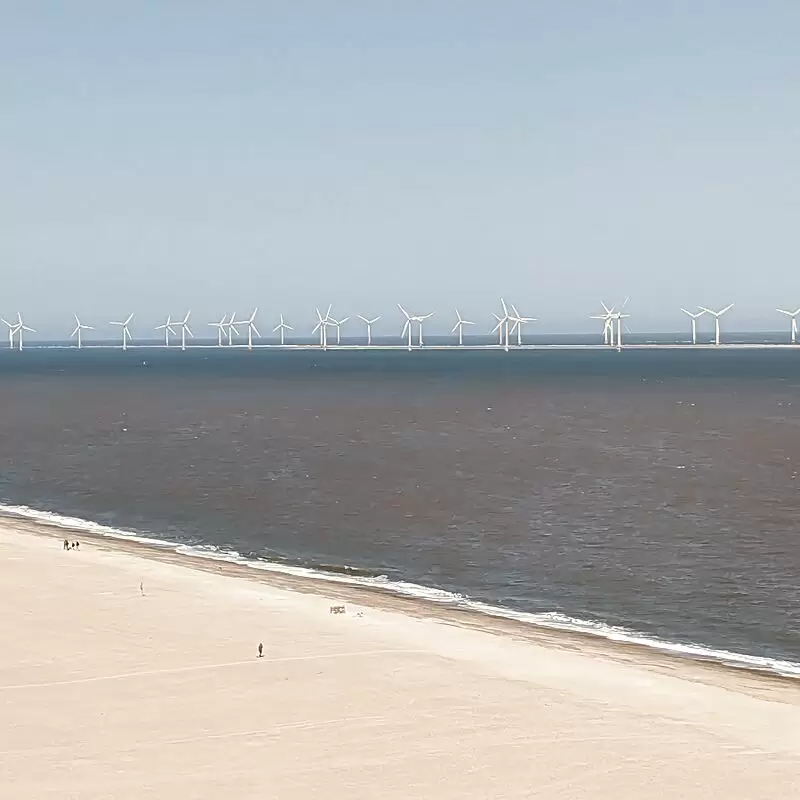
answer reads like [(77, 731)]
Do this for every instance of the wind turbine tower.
[(282, 327), (793, 317), (716, 315), (126, 334), (251, 328), (608, 324), (168, 330), (338, 325), (369, 323), (501, 329), (16, 329), (220, 326), (693, 316), (10, 333), (459, 326), (232, 329), (407, 328), (518, 321), (322, 327), (79, 327), (185, 329)]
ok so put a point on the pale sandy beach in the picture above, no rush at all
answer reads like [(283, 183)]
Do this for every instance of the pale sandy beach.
[(105, 693)]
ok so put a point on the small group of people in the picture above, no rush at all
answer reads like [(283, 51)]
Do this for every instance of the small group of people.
[(71, 545)]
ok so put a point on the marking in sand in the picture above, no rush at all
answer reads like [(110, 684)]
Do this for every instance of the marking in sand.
[(276, 729), (203, 667)]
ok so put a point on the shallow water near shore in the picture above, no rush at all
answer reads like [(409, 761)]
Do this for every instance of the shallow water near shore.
[(658, 509)]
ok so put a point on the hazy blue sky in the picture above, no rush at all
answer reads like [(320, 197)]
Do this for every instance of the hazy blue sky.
[(160, 155)]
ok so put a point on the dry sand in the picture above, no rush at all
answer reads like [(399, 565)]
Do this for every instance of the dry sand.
[(105, 693)]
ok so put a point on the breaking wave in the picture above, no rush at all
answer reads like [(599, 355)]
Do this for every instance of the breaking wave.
[(356, 576)]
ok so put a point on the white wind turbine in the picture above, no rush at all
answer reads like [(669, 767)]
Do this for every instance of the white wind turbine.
[(793, 317), (11, 328), (282, 327), (369, 323), (608, 324), (337, 323), (232, 329), (126, 334), (716, 315), (79, 327), (518, 321), (16, 329), (693, 316), (322, 327), (220, 326), (459, 326), (251, 328), (498, 329), (501, 329), (185, 329), (168, 330), (410, 320), (619, 316)]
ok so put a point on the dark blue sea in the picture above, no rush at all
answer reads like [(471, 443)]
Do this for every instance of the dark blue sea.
[(649, 495)]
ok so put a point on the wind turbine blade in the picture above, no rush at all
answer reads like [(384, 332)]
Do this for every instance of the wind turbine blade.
[(189, 331), (605, 307), (781, 311), (405, 327), (707, 310), (288, 327), (186, 318), (128, 321), (456, 327), (505, 309), (26, 328), (363, 319), (74, 332), (87, 327), (407, 316), (255, 330), (253, 315), (727, 308), (624, 303)]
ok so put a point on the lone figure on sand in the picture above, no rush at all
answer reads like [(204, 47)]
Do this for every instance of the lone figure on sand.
[(66, 544), (260, 649)]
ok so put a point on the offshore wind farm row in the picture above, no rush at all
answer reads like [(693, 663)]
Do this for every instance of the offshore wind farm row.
[(506, 333)]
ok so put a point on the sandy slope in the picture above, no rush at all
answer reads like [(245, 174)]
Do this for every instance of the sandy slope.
[(105, 693)]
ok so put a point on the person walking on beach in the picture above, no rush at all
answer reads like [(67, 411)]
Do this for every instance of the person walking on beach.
[(141, 587), (261, 649), (66, 544), (77, 545)]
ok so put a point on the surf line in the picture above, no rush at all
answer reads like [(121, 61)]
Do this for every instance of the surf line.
[(205, 667)]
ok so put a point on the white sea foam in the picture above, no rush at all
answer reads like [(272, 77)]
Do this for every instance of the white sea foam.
[(550, 619)]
